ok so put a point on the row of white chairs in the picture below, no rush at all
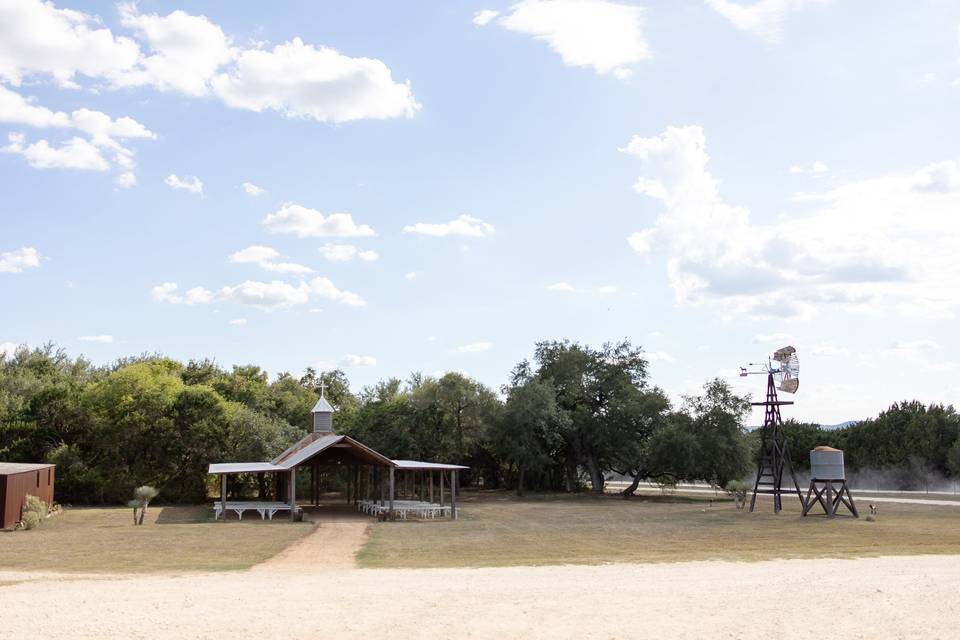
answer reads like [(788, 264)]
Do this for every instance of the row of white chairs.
[(403, 508), (266, 509)]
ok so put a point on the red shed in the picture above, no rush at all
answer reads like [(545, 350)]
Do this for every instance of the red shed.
[(17, 481)]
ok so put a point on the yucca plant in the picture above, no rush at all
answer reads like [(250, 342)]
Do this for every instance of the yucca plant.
[(738, 490), (141, 500)]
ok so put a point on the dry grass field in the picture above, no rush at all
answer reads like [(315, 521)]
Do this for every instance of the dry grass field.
[(175, 539), (500, 530), (495, 529)]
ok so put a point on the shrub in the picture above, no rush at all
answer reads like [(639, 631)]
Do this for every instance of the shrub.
[(31, 520), (33, 504), (738, 490)]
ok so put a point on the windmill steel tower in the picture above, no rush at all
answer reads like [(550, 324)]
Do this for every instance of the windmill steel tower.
[(781, 370)]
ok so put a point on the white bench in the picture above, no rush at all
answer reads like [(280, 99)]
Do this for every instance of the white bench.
[(265, 509), (403, 508)]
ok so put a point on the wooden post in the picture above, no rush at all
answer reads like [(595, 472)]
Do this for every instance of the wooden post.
[(392, 487), (453, 494), (441, 487), (223, 496), (293, 494), (356, 483), (431, 487), (383, 487)]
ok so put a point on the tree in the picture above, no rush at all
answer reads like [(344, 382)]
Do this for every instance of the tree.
[(530, 430), (604, 393), (705, 440)]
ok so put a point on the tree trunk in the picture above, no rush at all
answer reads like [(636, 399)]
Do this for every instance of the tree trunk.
[(134, 516), (596, 475), (520, 480), (629, 491), (570, 476)]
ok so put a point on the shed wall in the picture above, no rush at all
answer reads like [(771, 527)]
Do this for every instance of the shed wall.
[(18, 486)]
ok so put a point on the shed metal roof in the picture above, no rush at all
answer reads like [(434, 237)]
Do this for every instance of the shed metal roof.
[(11, 468), (243, 467), (426, 466)]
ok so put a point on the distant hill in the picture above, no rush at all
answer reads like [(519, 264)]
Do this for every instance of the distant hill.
[(831, 427)]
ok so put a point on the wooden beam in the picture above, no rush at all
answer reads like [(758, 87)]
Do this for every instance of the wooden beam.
[(293, 494), (392, 488), (431, 487), (441, 487), (223, 496), (453, 494)]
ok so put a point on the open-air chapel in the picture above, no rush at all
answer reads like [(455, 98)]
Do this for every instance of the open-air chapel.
[(374, 484)]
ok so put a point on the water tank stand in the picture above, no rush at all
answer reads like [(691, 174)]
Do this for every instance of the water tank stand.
[(829, 495)]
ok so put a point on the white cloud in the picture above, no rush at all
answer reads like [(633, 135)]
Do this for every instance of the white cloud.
[(474, 347), (762, 18), (187, 183), (275, 294), (463, 225), (264, 258), (358, 362), (564, 287), (252, 189), (772, 337), (606, 36), (18, 260), (856, 250), (817, 167), (105, 339), (186, 51), (938, 177), (264, 295), (9, 349), (914, 346), (830, 350), (75, 153), (658, 356), (346, 253), (483, 17), (38, 38), (324, 288), (103, 131), (410, 275), (300, 80), (193, 56), (167, 292), (125, 180), (310, 223), (254, 253), (285, 267), (238, 322)]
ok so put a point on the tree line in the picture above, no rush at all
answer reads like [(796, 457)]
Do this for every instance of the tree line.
[(569, 419)]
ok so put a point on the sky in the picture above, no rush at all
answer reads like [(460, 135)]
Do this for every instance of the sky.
[(436, 186)]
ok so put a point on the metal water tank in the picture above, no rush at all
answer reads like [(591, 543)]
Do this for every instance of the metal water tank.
[(826, 463)]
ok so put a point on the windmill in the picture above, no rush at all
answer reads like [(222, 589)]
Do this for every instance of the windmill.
[(782, 370)]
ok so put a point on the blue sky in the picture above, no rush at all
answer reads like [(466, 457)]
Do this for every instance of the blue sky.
[(709, 179)]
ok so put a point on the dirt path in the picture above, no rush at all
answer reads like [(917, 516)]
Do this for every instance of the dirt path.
[(894, 597), (332, 545)]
